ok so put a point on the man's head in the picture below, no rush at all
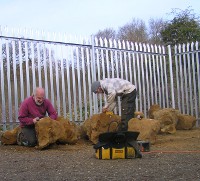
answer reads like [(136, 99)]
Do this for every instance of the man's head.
[(39, 95), (96, 87)]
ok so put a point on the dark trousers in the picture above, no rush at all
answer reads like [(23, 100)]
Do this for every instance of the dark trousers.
[(127, 109), (27, 136)]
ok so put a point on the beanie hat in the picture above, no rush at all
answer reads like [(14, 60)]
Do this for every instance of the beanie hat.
[(95, 85)]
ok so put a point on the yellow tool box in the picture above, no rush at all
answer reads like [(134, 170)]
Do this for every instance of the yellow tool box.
[(115, 153), (117, 145)]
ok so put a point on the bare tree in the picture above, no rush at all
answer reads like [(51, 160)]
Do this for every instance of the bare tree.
[(155, 28), (135, 31), (108, 33)]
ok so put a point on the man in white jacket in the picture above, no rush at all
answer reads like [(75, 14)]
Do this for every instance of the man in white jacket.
[(113, 88)]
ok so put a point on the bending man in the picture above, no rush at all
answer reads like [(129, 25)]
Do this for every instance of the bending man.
[(117, 87)]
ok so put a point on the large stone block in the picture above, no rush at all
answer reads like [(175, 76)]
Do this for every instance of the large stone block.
[(185, 122), (100, 123), (153, 108), (51, 131), (9, 137), (168, 118), (148, 128)]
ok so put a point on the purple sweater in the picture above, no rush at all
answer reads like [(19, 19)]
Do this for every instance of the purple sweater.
[(30, 110)]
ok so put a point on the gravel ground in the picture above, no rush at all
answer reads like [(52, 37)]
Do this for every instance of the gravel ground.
[(78, 162)]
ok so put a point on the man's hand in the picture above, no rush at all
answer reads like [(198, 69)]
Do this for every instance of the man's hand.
[(104, 109), (36, 119)]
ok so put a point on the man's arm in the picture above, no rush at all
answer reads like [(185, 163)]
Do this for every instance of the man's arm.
[(24, 116), (51, 111), (111, 102)]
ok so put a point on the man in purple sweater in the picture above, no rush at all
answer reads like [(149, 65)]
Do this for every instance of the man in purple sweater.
[(32, 110)]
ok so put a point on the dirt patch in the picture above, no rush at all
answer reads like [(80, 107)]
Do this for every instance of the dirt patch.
[(78, 162), (182, 140)]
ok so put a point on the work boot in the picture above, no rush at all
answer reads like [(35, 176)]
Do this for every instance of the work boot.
[(1, 133), (138, 155), (20, 139), (124, 126)]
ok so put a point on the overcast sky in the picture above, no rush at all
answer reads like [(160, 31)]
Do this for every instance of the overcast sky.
[(85, 17)]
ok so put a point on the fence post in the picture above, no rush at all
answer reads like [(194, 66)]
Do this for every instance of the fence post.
[(3, 104), (171, 76), (93, 59), (93, 67)]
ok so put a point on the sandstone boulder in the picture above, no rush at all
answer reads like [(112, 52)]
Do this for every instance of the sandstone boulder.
[(185, 122), (51, 131), (168, 118), (9, 137), (138, 115), (153, 108), (148, 128), (100, 123), (48, 131)]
